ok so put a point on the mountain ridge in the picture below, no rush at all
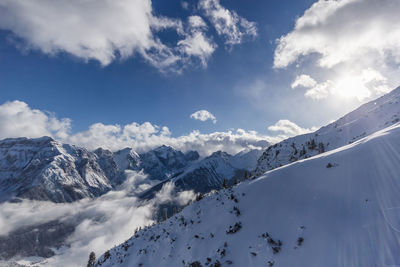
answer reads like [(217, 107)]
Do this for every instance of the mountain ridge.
[(365, 120)]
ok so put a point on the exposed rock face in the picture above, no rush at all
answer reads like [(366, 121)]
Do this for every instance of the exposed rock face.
[(44, 169), (164, 162)]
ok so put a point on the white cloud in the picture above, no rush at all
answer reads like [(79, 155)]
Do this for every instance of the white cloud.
[(356, 38), (185, 5), (288, 128), (319, 91), (17, 119), (303, 81), (203, 115), (196, 44), (99, 224), (196, 22), (105, 31), (115, 137), (352, 84), (168, 194), (228, 24), (87, 29)]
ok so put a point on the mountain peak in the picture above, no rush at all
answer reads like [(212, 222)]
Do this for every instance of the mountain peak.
[(219, 154)]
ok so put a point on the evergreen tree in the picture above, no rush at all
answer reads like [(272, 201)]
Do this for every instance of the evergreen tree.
[(165, 214), (92, 259), (303, 151), (321, 148), (224, 184), (313, 145)]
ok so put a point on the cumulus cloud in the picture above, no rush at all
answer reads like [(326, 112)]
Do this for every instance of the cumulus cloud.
[(115, 137), (196, 44), (98, 30), (228, 24), (288, 129), (353, 84), (346, 38), (303, 81), (196, 22), (319, 91), (203, 115), (185, 5), (98, 224), (105, 31), (18, 119)]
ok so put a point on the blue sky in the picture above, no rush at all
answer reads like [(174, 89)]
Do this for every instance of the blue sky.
[(239, 84)]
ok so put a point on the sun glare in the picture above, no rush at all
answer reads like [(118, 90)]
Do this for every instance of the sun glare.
[(351, 87)]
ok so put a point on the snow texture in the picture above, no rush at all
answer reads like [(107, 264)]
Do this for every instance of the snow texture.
[(339, 208)]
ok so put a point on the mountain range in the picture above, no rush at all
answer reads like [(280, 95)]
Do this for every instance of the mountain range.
[(45, 169), (326, 196)]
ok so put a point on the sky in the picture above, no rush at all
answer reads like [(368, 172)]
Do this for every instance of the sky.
[(218, 74)]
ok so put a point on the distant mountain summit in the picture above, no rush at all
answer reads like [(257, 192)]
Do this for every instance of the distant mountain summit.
[(164, 162)]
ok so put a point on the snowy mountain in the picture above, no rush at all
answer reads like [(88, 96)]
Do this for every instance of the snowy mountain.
[(339, 208), (164, 162), (45, 169), (209, 173), (246, 159), (367, 119)]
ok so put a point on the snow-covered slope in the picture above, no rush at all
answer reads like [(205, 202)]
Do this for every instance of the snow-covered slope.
[(45, 169), (246, 159), (207, 174), (367, 119), (340, 208)]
